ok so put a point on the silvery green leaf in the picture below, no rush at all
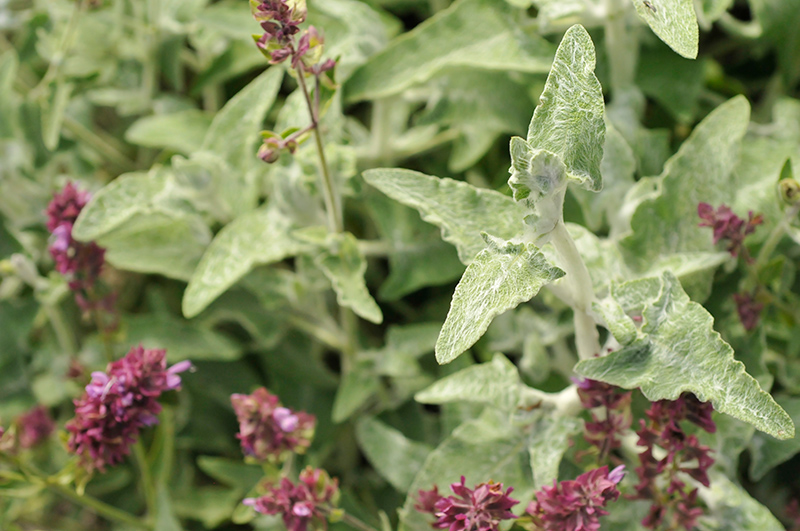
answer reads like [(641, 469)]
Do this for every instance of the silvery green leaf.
[(501, 277), (534, 172), (488, 447), (9, 111), (404, 345), (183, 340), (665, 220), (395, 457), (344, 265), (255, 238), (548, 443), (496, 383), (181, 131), (731, 507), (709, 11), (569, 119), (461, 210), (356, 387), (675, 350), (483, 34), (53, 111), (767, 453), (674, 21)]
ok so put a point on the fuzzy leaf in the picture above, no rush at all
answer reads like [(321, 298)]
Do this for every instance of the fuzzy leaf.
[(569, 118), (501, 277), (731, 507), (256, 238), (395, 457), (461, 210), (482, 34), (674, 21), (182, 131), (676, 349), (496, 383), (766, 452), (548, 443), (345, 267)]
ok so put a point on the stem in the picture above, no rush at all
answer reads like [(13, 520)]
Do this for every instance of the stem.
[(101, 508), (102, 145), (147, 478), (621, 46), (775, 237), (64, 336), (587, 339), (108, 347), (332, 204), (356, 523), (329, 338)]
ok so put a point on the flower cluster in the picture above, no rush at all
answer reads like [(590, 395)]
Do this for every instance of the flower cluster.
[(269, 431), (727, 225), (478, 509), (748, 308), (118, 403), (604, 429), (80, 262), (307, 502), (673, 502), (575, 505), (34, 427)]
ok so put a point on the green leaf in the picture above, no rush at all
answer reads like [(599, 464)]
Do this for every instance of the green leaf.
[(501, 277), (395, 457), (665, 220), (183, 340), (779, 21), (672, 81), (767, 453), (482, 34), (569, 120), (255, 238), (548, 443), (496, 383), (481, 449), (182, 131), (356, 388), (344, 265), (231, 472), (461, 210), (165, 519), (53, 114), (675, 350), (9, 111), (674, 21), (731, 507)]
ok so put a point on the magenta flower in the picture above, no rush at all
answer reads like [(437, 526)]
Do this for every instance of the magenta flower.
[(576, 505), (478, 509), (118, 403), (727, 225), (604, 431), (308, 502), (269, 431), (748, 308), (34, 427)]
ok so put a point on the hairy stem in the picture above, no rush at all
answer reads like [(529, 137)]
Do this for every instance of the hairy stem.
[(775, 236), (148, 487)]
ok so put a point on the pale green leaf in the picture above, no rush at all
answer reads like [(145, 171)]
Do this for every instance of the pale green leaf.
[(548, 443), (482, 34), (344, 265), (481, 449), (357, 386), (569, 120), (767, 453), (165, 519), (674, 21), (461, 210), (233, 134), (182, 131), (779, 21), (394, 456), (675, 350), (256, 238), (731, 507), (231, 472), (183, 340), (53, 114), (673, 81), (501, 277), (665, 220), (496, 383), (9, 110)]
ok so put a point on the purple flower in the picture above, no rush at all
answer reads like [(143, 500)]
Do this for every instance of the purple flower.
[(478, 509), (749, 309), (604, 431), (269, 431), (65, 207), (118, 403), (307, 502), (727, 225), (576, 505), (34, 427)]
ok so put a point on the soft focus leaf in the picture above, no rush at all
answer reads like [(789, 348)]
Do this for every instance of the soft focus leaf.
[(183, 340), (462, 211), (674, 21), (496, 383), (767, 453), (395, 457), (181, 131), (475, 33), (548, 443), (569, 119), (500, 278), (256, 238), (676, 350), (731, 507)]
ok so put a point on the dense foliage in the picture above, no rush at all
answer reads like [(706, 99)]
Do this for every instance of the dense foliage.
[(333, 274)]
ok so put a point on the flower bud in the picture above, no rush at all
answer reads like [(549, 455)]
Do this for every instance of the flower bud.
[(790, 191)]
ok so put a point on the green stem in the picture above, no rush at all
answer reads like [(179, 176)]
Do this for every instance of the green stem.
[(587, 339), (100, 508), (148, 487), (332, 339), (102, 145), (332, 201), (622, 46), (64, 335), (775, 236), (356, 523)]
